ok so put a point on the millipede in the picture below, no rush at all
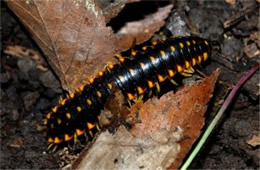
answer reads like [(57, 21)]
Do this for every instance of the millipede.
[(138, 75)]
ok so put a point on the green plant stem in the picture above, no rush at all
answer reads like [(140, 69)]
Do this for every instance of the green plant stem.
[(218, 116)]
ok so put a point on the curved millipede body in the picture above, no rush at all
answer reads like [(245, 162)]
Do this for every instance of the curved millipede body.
[(78, 114)]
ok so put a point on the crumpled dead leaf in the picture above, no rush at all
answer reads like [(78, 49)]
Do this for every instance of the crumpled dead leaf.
[(185, 109), (113, 9), (17, 143), (72, 34), (252, 45), (140, 31), (22, 52), (254, 141), (124, 151)]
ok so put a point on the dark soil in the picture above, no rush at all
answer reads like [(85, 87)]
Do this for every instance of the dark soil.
[(27, 91)]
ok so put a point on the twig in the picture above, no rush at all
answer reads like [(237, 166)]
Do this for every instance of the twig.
[(234, 19)]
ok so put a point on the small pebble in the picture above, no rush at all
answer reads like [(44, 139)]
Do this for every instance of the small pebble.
[(241, 128), (34, 74), (42, 104), (50, 81), (15, 115), (11, 61), (23, 76), (39, 116), (231, 47), (50, 93), (34, 84), (256, 158), (178, 26), (25, 65), (11, 93), (29, 99), (215, 149), (209, 25), (30, 154)]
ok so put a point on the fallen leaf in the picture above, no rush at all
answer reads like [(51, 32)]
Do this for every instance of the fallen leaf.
[(124, 151), (185, 109), (230, 2), (18, 142), (255, 141), (251, 50), (140, 31), (23, 52), (255, 36), (114, 8), (72, 34)]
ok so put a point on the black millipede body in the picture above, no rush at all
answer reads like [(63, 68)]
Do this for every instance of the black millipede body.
[(139, 75)]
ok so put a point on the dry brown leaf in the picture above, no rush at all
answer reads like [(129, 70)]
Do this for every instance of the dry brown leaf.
[(18, 142), (251, 50), (231, 2), (72, 34), (124, 151), (113, 9), (140, 31), (255, 141), (23, 52), (185, 109)]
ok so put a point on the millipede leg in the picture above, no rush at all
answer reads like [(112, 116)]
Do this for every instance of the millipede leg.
[(120, 58), (77, 90), (173, 82), (91, 134), (69, 146), (158, 87), (129, 103), (75, 138), (54, 149), (49, 146), (185, 74), (138, 99), (189, 70), (150, 93), (60, 100), (133, 51), (108, 66), (98, 128)]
